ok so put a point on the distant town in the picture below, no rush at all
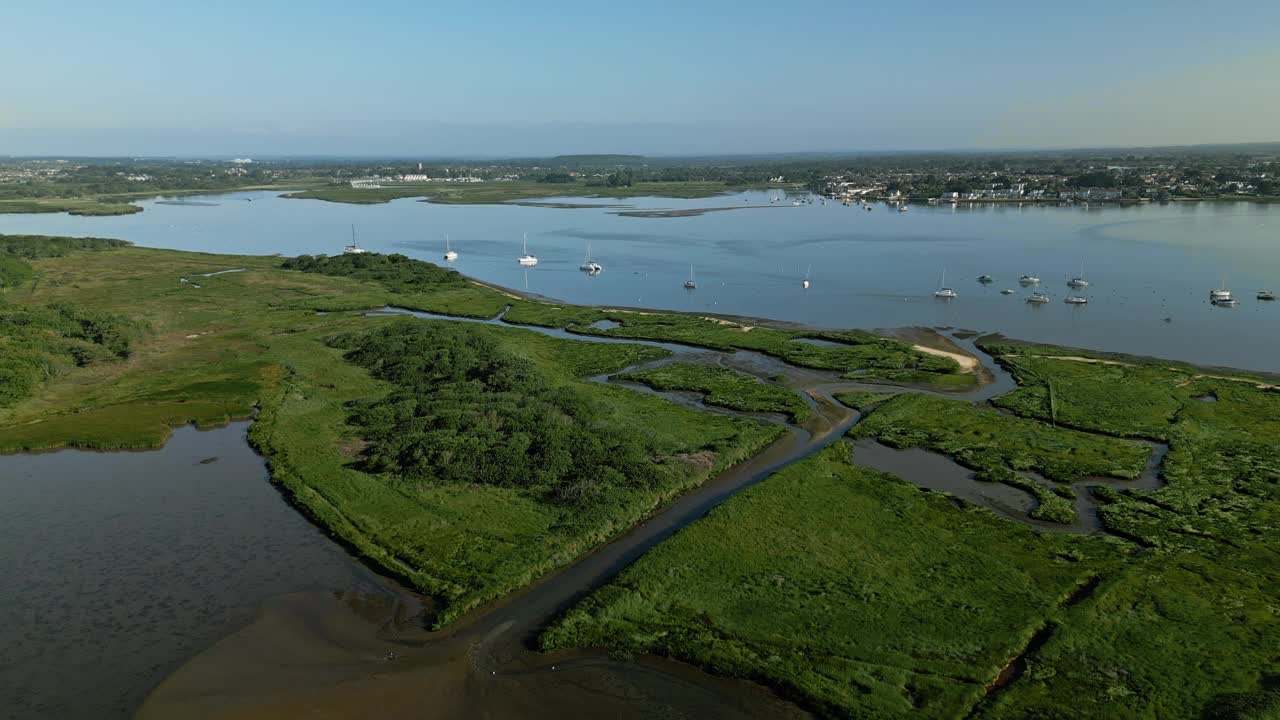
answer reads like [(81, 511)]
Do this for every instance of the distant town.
[(1233, 172)]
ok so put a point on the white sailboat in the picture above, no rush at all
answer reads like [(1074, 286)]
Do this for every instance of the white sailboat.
[(527, 259), (1038, 298), (588, 265), (943, 291), (1079, 281), (805, 284), (1075, 300), (1221, 294), (1028, 280), (690, 284), (354, 248), (449, 254)]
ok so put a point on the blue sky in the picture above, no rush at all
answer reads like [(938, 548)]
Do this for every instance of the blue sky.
[(499, 78)]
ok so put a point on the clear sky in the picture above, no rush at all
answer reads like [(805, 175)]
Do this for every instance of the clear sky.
[(691, 77)]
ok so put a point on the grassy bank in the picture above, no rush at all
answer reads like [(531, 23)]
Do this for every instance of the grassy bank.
[(859, 595), (724, 388), (854, 592), (1002, 448), (74, 206), (857, 354), (1223, 430)]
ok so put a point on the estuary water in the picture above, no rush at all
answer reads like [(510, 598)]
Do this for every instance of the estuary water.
[(1150, 266), (117, 567)]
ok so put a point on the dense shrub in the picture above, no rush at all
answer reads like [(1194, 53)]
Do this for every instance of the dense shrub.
[(396, 272), (464, 411), (37, 343)]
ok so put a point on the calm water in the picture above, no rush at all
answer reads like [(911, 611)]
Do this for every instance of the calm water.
[(117, 567), (1151, 265)]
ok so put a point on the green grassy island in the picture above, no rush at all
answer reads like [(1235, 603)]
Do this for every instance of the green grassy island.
[(468, 459)]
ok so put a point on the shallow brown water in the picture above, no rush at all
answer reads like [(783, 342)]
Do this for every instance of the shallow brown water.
[(116, 567)]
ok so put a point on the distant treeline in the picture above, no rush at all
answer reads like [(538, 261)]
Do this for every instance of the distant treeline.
[(464, 411), (398, 273)]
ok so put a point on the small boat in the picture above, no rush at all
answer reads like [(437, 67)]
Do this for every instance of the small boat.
[(588, 265), (1075, 300), (449, 254), (354, 248), (1266, 295), (805, 283), (1222, 293), (1038, 298), (527, 259), (943, 291), (1028, 280), (1226, 302), (1006, 291), (690, 284), (902, 207), (1079, 281), (986, 279)]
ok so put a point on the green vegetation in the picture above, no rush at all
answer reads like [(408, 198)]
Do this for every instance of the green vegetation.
[(1003, 448), (795, 584), (997, 445), (415, 284), (359, 444), (37, 343), (854, 592), (724, 388), (423, 286), (1223, 432), (44, 246), (41, 342), (858, 354), (463, 411), (862, 400), (74, 206)]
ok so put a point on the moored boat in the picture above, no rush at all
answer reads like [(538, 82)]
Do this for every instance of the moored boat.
[(527, 259)]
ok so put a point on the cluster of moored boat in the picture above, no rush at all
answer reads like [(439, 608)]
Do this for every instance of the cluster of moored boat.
[(1220, 297)]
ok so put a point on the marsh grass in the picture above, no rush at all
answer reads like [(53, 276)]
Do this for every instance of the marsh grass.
[(723, 387)]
